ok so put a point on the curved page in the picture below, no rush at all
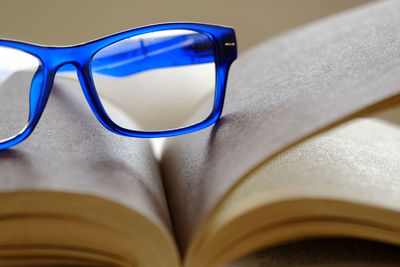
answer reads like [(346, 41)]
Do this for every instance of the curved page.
[(343, 182), (70, 152)]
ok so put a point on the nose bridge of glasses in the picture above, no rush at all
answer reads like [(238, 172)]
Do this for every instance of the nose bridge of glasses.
[(65, 58)]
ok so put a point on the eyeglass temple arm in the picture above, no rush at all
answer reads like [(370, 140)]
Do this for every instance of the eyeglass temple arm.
[(120, 60)]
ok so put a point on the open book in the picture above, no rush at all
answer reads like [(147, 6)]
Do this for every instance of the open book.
[(308, 146)]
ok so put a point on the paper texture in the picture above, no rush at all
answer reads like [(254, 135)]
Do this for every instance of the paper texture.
[(358, 161), (278, 93)]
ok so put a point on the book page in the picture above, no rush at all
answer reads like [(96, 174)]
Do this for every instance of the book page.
[(70, 152), (356, 161), (279, 93)]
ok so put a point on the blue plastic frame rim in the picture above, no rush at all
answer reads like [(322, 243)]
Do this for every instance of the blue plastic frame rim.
[(53, 58)]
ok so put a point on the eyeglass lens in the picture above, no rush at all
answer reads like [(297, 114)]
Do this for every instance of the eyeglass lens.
[(18, 70), (156, 81)]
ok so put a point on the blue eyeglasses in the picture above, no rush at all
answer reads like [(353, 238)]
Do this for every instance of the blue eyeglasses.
[(143, 82)]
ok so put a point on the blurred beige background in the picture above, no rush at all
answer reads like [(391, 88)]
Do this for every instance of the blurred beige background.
[(59, 22)]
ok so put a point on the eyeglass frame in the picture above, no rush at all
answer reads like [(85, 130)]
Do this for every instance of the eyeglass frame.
[(52, 58)]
